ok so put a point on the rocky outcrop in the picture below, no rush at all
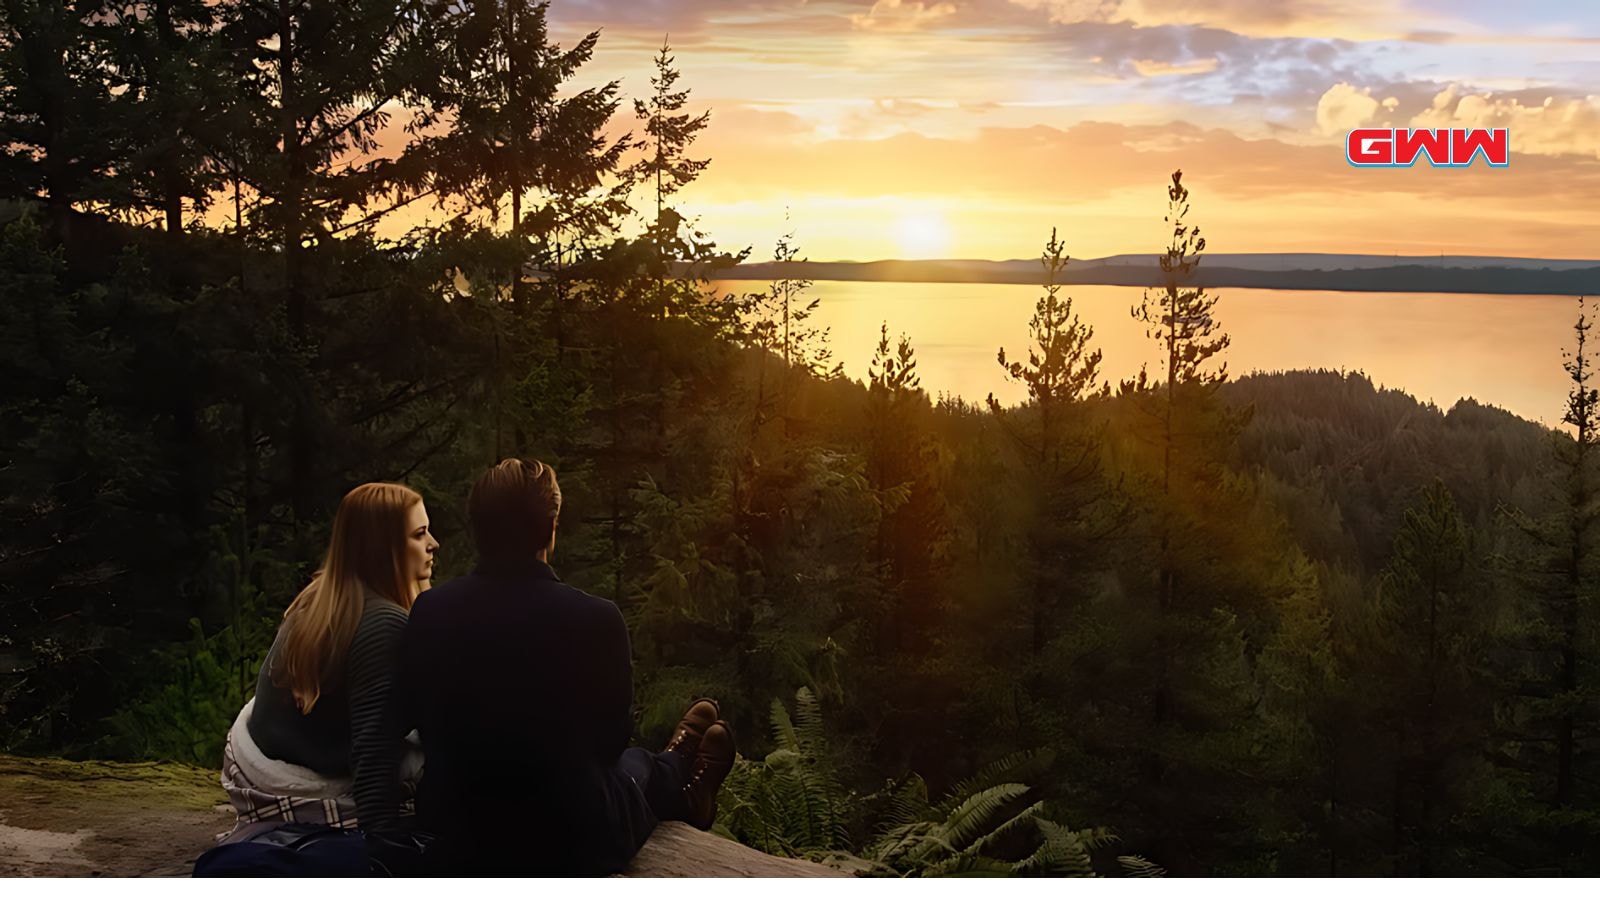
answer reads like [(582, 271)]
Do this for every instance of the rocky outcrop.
[(64, 818)]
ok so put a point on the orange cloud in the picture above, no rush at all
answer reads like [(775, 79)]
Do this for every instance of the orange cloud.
[(902, 14), (1352, 19), (1152, 68), (1102, 183)]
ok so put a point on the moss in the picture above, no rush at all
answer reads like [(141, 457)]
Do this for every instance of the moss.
[(26, 781)]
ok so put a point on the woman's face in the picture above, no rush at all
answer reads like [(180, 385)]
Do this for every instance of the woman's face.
[(420, 544)]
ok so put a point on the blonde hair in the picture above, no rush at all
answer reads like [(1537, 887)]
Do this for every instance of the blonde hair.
[(365, 552)]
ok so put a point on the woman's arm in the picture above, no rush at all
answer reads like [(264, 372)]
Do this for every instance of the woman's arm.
[(375, 736)]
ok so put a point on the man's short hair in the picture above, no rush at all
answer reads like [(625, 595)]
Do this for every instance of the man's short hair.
[(513, 508)]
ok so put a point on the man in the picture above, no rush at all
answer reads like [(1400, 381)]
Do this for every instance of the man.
[(522, 690)]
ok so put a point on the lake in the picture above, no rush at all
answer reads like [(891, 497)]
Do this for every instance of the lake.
[(1503, 350)]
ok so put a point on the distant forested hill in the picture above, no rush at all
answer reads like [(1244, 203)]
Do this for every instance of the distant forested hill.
[(1489, 279), (1350, 456)]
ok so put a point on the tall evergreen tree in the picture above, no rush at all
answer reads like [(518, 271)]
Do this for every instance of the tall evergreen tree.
[(679, 255), (325, 78), (519, 141), (904, 468), (778, 324), (1550, 674), (1061, 445), (1192, 429), (1427, 637), (171, 61), (1573, 615), (666, 169), (62, 121)]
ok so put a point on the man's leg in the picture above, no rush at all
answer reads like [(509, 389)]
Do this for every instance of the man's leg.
[(661, 777)]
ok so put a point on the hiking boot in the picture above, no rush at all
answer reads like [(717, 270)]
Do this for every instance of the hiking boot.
[(700, 716), (712, 763)]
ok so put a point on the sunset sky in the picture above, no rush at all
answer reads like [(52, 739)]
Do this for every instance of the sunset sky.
[(968, 128)]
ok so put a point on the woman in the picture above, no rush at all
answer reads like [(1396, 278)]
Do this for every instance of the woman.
[(319, 743)]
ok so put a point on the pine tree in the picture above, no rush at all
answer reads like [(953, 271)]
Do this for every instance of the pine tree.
[(1062, 369), (520, 143), (1061, 445), (512, 144), (1574, 614), (1548, 647), (1427, 625), (903, 466), (778, 323), (62, 122), (170, 59), (669, 131), (324, 78), (680, 256), (1305, 700), (1192, 430)]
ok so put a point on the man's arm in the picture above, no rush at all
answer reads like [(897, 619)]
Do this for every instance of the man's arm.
[(613, 680)]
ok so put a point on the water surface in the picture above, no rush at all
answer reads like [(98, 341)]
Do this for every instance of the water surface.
[(1500, 349)]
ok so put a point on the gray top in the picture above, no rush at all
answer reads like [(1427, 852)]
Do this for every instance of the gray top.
[(353, 729)]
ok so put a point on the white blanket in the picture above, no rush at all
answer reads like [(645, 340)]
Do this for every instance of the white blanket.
[(265, 791), (274, 776)]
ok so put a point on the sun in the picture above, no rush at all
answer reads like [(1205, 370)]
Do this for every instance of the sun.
[(922, 235)]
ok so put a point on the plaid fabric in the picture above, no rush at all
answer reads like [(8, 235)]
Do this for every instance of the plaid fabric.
[(253, 805), (274, 804)]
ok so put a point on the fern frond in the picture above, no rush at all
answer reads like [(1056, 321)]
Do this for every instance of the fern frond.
[(783, 733), (808, 724), (897, 842), (966, 824), (970, 865), (1062, 852), (1097, 838), (908, 802), (1006, 827), (990, 775), (1139, 867)]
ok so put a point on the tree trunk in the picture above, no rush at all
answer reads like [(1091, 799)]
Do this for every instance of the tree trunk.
[(170, 179), (301, 488)]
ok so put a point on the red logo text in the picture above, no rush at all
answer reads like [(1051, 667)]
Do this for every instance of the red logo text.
[(1452, 147)]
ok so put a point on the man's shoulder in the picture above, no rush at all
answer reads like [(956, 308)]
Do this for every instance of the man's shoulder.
[(466, 587), (435, 600), (599, 607), (577, 603)]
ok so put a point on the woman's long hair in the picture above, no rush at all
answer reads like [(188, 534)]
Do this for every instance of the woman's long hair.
[(367, 551)]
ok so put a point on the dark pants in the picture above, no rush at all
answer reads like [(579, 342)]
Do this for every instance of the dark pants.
[(600, 836), (660, 777), (648, 788)]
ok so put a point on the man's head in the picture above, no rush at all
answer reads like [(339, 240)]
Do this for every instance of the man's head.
[(514, 508)]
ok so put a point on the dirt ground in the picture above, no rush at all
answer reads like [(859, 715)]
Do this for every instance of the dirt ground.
[(59, 817)]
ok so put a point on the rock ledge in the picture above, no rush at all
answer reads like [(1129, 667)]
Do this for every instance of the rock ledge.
[(64, 818)]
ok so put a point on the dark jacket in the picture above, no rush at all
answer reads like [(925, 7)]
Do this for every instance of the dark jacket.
[(522, 690)]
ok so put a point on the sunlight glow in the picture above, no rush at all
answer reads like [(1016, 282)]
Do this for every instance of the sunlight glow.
[(922, 235)]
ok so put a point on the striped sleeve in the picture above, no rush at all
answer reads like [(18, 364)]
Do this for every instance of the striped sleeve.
[(375, 738)]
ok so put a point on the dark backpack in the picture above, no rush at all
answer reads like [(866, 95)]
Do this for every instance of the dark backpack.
[(292, 850), (299, 850)]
